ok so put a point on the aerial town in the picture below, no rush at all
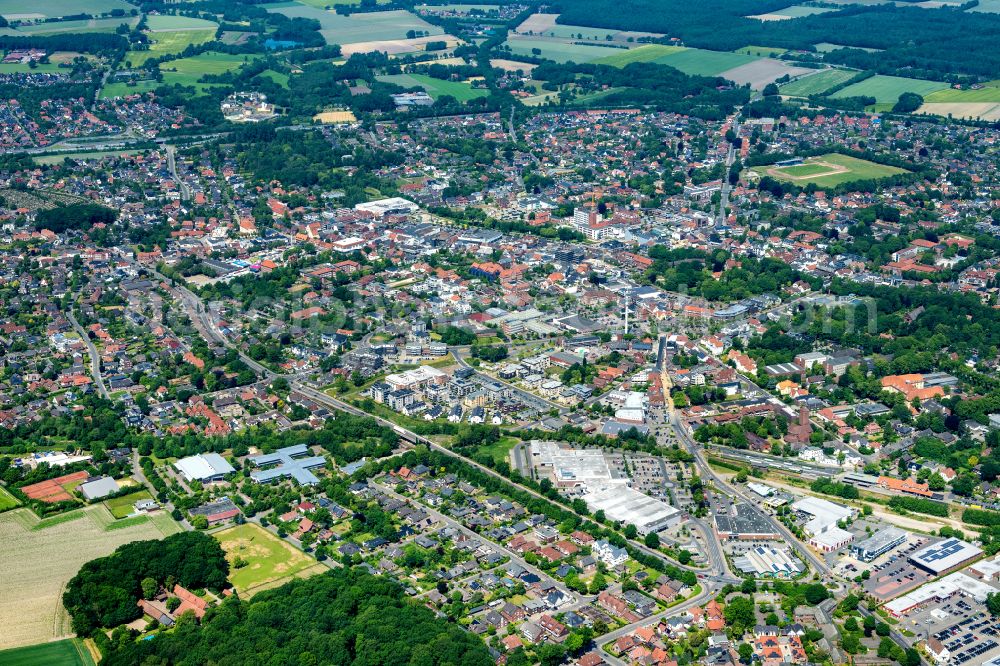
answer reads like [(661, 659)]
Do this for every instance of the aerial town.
[(545, 375)]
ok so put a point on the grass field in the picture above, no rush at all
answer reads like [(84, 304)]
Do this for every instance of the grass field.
[(184, 71), (816, 84), (7, 501), (69, 652), (166, 23), (56, 8), (887, 89), (436, 87), (271, 561), (163, 43), (121, 507), (20, 67), (58, 159), (38, 561), (794, 11), (646, 53), (362, 27), (560, 51), (827, 47), (829, 170)]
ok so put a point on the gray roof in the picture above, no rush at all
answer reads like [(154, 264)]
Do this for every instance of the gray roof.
[(97, 488)]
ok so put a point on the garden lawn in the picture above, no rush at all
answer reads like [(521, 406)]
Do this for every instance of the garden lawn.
[(7, 501), (120, 507), (270, 561)]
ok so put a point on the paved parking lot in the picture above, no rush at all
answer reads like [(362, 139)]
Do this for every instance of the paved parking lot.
[(896, 575), (963, 626)]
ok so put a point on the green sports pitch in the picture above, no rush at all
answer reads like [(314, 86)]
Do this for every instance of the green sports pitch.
[(70, 652), (829, 170)]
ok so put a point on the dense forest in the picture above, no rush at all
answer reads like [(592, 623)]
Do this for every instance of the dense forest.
[(105, 591), (911, 39), (343, 617)]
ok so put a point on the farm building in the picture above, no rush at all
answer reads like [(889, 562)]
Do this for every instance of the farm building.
[(204, 467)]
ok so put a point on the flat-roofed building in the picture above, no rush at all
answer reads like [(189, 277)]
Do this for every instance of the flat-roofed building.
[(879, 544), (204, 467), (768, 561), (945, 556), (624, 504), (290, 461), (745, 522)]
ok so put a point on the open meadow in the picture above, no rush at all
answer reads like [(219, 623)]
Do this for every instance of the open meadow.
[(270, 561), (361, 27), (184, 71), (7, 501), (106, 25), (41, 556), (829, 170)]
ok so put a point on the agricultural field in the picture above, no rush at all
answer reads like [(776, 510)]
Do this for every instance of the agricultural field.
[(362, 27), (335, 117), (512, 65), (41, 556), (759, 73), (166, 23), (270, 561), (887, 89), (69, 652), (107, 25), (705, 63), (794, 11), (645, 53), (987, 6), (827, 47), (7, 501), (985, 94), (816, 84), (400, 46), (761, 51), (976, 110), (829, 170), (121, 507), (559, 51), (21, 10), (20, 67), (436, 88)]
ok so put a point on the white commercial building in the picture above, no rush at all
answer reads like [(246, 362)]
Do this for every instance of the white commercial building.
[(824, 514), (945, 555), (416, 377), (204, 467), (629, 506), (569, 467), (390, 206), (940, 590)]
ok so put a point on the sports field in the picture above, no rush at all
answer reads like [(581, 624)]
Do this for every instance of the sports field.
[(816, 84), (69, 652), (361, 27), (829, 170), (14, 9), (40, 558), (436, 87), (270, 561), (887, 89)]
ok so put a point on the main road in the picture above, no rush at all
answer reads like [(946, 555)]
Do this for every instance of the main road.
[(95, 358)]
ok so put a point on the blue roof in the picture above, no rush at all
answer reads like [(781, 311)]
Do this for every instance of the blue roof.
[(296, 468)]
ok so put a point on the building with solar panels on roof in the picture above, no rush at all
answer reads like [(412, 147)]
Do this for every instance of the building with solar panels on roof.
[(945, 556)]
